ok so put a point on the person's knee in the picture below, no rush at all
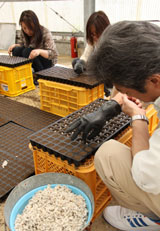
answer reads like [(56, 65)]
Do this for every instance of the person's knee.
[(26, 52), (104, 152), (17, 51), (112, 155)]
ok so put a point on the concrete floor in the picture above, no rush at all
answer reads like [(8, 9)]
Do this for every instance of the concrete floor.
[(32, 98)]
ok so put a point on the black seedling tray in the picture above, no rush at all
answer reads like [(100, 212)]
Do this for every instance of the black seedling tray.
[(68, 76), (3, 121), (25, 115), (55, 140), (11, 109), (14, 149), (36, 119), (12, 61)]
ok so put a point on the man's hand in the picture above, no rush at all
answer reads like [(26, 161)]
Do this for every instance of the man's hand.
[(132, 106), (91, 124)]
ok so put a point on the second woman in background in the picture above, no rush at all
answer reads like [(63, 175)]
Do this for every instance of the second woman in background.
[(36, 42), (96, 24)]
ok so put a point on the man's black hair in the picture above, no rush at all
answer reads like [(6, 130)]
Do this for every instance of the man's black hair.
[(127, 53)]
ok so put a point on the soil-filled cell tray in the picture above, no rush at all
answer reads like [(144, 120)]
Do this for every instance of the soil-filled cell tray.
[(25, 115), (11, 109), (3, 121), (16, 160), (36, 119), (68, 76), (55, 140), (12, 61)]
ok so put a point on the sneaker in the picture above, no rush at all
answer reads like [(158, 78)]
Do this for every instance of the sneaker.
[(129, 220)]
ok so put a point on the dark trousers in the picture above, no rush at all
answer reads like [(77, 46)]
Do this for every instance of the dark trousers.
[(39, 63)]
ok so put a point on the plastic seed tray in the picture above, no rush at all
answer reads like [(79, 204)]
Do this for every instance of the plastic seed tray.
[(27, 116), (68, 76), (54, 140), (36, 119), (3, 121), (12, 61), (16, 161), (11, 109)]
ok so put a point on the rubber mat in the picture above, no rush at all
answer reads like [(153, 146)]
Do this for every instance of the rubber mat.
[(27, 116), (16, 160), (55, 140), (68, 76), (12, 61)]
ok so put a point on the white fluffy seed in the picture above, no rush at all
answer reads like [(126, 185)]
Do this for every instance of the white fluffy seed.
[(53, 209)]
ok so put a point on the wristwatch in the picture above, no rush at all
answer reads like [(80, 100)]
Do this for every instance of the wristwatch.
[(139, 117)]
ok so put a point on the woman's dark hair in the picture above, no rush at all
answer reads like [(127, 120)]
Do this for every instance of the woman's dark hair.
[(100, 20), (127, 54), (31, 21)]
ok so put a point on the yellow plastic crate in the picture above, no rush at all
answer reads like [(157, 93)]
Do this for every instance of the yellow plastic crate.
[(63, 99), (16, 81)]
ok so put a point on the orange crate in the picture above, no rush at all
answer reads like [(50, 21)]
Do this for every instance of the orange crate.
[(63, 99)]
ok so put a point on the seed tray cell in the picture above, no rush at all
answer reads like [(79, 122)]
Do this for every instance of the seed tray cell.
[(14, 150), (12, 61), (54, 140), (68, 76)]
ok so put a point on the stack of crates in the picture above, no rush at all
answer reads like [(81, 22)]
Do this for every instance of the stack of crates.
[(44, 162), (63, 99), (16, 80)]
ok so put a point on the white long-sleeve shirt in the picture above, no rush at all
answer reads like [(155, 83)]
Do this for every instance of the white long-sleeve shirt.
[(87, 52), (146, 164)]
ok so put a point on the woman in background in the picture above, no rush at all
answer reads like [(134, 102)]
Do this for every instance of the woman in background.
[(36, 42), (96, 24)]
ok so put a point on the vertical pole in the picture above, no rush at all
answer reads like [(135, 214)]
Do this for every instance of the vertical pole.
[(89, 8), (139, 8), (13, 13)]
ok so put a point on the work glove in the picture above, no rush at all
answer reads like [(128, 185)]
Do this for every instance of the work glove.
[(91, 124), (79, 65)]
